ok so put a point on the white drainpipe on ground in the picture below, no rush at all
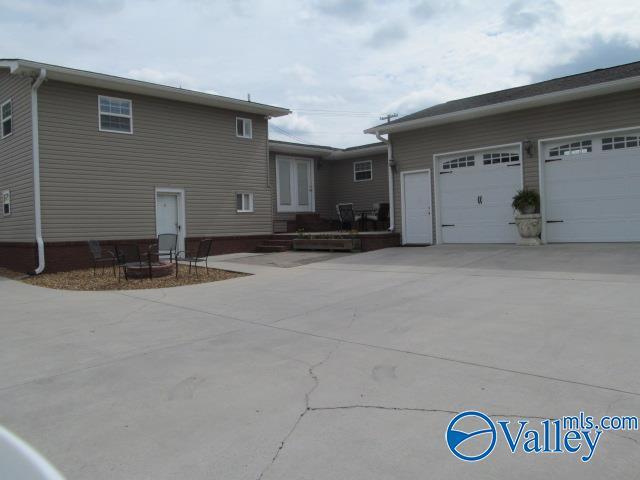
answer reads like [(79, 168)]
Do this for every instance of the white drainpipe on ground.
[(36, 169), (392, 224)]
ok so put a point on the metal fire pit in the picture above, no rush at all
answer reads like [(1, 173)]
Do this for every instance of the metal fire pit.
[(150, 270)]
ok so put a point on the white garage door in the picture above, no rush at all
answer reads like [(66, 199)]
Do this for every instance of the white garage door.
[(475, 192), (592, 189)]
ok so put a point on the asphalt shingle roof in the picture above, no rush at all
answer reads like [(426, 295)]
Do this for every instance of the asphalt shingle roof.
[(594, 77)]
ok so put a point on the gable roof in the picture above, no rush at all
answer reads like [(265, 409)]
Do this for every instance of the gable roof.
[(581, 85), (111, 82)]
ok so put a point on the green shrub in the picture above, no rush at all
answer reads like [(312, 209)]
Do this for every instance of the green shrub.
[(526, 199)]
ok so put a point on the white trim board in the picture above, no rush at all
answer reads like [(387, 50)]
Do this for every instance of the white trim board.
[(312, 202)]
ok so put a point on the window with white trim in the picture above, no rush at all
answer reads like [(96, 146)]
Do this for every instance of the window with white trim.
[(460, 162), (363, 171), (6, 119), (616, 143), (244, 202), (573, 148), (495, 158), (243, 128), (6, 203), (115, 115)]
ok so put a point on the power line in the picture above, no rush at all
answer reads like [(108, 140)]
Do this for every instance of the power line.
[(284, 132)]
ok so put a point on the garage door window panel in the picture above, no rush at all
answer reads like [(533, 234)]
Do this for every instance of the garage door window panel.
[(573, 148), (496, 158), (618, 143), (460, 162)]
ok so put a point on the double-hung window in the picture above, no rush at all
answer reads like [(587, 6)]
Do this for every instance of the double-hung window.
[(243, 128), (362, 171), (115, 115), (244, 202), (6, 119)]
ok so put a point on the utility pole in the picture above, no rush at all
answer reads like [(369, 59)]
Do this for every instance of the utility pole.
[(388, 117)]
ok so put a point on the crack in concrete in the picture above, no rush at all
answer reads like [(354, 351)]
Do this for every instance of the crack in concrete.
[(307, 409)]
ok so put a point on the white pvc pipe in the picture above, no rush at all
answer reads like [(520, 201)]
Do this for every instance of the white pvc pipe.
[(392, 215), (36, 169)]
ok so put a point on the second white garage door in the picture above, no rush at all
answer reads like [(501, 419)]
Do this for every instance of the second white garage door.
[(592, 188), (475, 194)]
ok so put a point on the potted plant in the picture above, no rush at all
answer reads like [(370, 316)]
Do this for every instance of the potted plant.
[(527, 203)]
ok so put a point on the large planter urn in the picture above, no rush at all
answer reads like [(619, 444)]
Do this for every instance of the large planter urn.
[(529, 228)]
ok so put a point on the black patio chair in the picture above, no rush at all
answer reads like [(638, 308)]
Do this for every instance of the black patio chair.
[(167, 245), (127, 253), (381, 214), (201, 255), (101, 257), (346, 216)]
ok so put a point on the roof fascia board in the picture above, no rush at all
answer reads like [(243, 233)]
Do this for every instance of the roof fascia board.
[(358, 152), (109, 82), (513, 105)]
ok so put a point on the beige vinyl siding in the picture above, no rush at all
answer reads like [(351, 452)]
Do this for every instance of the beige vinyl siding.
[(362, 194), (415, 149), (16, 162), (102, 185)]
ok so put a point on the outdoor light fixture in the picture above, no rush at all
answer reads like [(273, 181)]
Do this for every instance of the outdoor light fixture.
[(527, 145)]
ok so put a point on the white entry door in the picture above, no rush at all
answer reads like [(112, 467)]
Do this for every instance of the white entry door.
[(592, 188), (475, 194), (168, 215), (294, 179), (416, 207)]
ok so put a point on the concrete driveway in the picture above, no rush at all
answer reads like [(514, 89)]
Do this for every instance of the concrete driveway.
[(350, 368)]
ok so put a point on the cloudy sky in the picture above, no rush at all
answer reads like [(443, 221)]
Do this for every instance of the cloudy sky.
[(339, 65)]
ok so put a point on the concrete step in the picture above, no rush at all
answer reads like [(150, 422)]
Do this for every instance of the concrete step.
[(272, 248)]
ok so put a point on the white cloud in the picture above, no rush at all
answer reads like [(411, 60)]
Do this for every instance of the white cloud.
[(173, 79), (316, 56), (295, 124), (301, 73)]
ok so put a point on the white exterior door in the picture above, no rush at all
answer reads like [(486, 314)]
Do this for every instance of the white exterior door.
[(294, 183), (475, 194), (592, 188), (416, 207), (168, 215)]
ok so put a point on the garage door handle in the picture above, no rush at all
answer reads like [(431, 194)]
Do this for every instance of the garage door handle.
[(442, 173), (513, 165), (512, 223), (555, 221), (448, 225)]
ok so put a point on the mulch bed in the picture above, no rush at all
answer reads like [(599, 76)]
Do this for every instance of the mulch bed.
[(86, 280)]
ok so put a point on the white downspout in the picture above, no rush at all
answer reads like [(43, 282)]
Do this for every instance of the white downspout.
[(36, 169), (392, 213)]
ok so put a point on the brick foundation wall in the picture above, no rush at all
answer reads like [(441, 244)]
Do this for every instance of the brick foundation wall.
[(20, 257), (376, 242), (64, 256)]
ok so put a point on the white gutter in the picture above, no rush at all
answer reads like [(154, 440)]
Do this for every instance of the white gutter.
[(392, 215), (36, 169)]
